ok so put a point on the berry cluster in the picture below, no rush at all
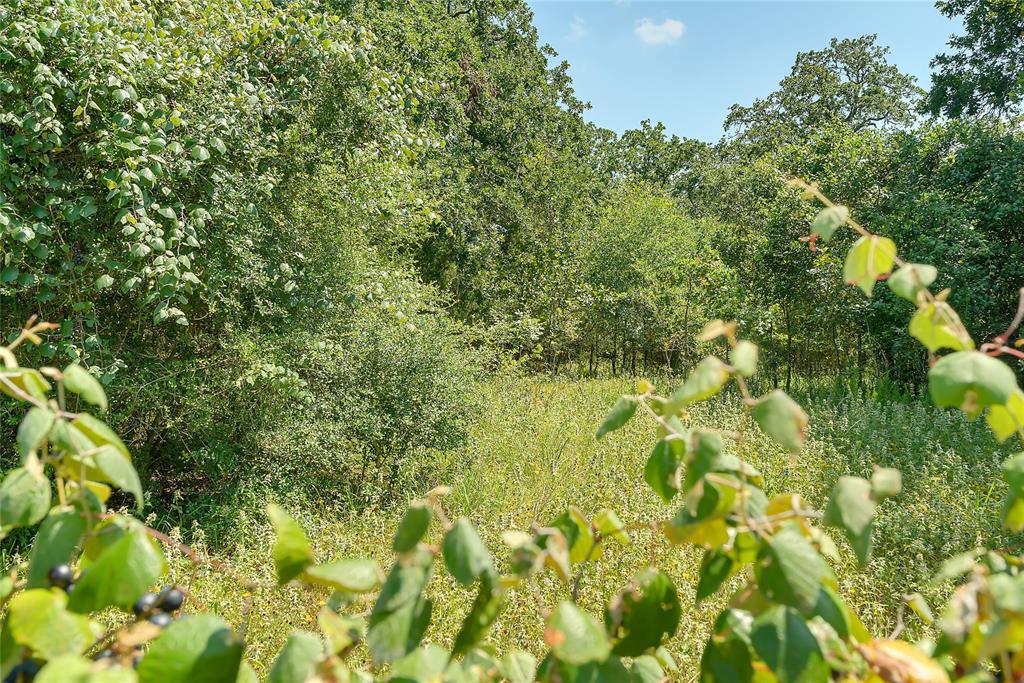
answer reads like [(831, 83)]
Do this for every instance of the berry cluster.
[(61, 576)]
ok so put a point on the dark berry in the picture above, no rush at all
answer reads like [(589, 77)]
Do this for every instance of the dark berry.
[(61, 575), (70, 587), (135, 661), (104, 654), (144, 604), (160, 619), (170, 599)]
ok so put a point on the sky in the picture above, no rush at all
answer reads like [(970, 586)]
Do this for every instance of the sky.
[(684, 63)]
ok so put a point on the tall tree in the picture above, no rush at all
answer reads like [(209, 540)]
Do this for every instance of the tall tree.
[(985, 70), (850, 82)]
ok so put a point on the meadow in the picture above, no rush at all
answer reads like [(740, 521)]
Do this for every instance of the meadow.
[(533, 452)]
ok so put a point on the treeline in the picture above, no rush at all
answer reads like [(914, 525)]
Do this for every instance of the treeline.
[(304, 230)]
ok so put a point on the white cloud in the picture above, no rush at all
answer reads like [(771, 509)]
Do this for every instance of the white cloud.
[(652, 33), (578, 29)]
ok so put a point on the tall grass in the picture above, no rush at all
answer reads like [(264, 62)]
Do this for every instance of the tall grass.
[(533, 452)]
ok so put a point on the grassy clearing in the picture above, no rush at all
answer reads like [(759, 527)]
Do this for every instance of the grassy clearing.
[(533, 452)]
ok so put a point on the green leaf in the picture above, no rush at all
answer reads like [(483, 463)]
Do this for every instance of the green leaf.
[(685, 528), (33, 430), (851, 507), (55, 543), (121, 574), (423, 665), (292, 552), (298, 658), (643, 614), (103, 281), (482, 613), (26, 380), (39, 620), (870, 258), (401, 614), (1007, 419), (575, 636), (195, 649), (886, 483), (781, 418), (782, 640), (99, 433), (78, 380), (119, 471), (726, 659), (662, 472), (647, 669), (200, 153), (618, 416), (342, 632), (413, 527), (608, 524), (970, 381), (465, 554), (911, 279), (937, 326), (744, 358), (789, 570), (706, 380), (351, 576), (829, 220), (715, 567), (917, 603), (518, 667), (24, 498), (76, 669)]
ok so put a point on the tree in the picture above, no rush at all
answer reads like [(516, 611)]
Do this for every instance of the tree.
[(849, 82), (985, 70)]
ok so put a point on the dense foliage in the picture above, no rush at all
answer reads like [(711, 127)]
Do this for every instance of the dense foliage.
[(281, 242)]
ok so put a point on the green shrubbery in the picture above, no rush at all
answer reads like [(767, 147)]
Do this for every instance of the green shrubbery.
[(786, 616)]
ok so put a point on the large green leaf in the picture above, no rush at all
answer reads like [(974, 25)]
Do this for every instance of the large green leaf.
[(33, 430), (119, 471), (782, 640), (484, 611), (120, 575), (706, 380), (297, 660), (781, 418), (744, 357), (426, 664), (76, 669), (99, 433), (575, 636), (870, 258), (26, 380), (662, 471), (24, 498), (970, 380), (726, 659), (829, 220), (292, 552), (465, 554), (351, 576), (1007, 419), (937, 326), (789, 570), (78, 380), (39, 620), (618, 416), (55, 542), (715, 567), (195, 649), (413, 526), (851, 507), (401, 614), (910, 279), (643, 614), (518, 667)]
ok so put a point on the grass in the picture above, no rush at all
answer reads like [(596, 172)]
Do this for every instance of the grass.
[(533, 452)]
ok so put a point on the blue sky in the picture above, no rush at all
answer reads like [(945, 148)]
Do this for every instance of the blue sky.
[(685, 63)]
